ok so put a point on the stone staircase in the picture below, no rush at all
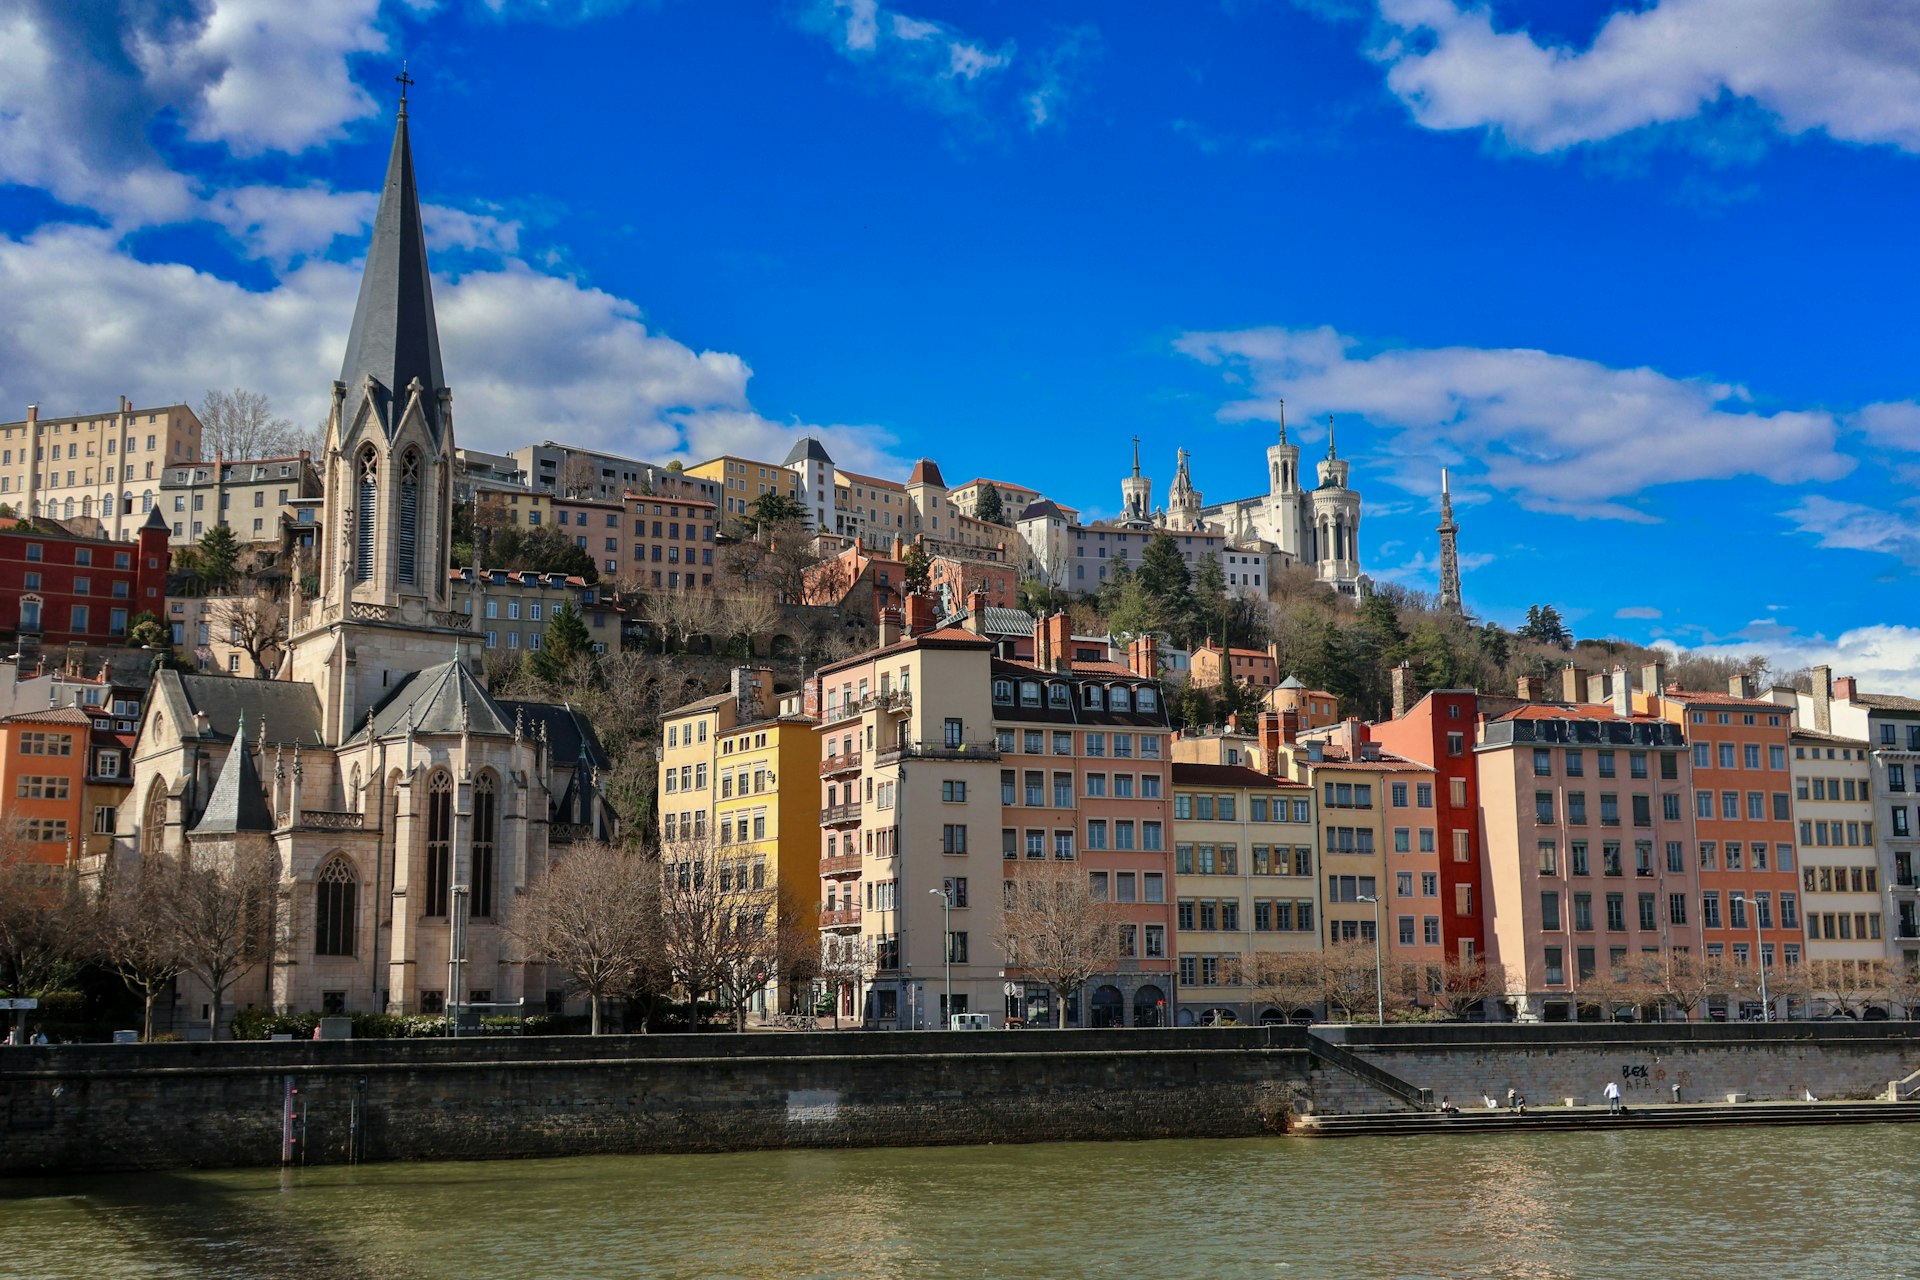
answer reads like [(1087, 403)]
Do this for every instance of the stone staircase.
[(1660, 1116), (1903, 1089)]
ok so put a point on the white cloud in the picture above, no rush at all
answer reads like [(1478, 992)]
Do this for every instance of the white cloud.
[(281, 224), (933, 62), (85, 84), (1851, 526), (1559, 433), (1850, 68), (1885, 658), (529, 355), (1894, 425), (1639, 611)]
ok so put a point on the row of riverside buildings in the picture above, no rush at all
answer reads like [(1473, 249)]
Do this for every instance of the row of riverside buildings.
[(1555, 838)]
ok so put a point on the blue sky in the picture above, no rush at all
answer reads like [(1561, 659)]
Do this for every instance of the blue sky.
[(1642, 279)]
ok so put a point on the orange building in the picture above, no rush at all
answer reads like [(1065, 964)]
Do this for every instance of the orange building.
[(1254, 667), (44, 760), (1313, 708), (1743, 819)]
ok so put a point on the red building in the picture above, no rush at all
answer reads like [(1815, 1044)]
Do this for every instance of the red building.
[(1439, 732), (58, 589)]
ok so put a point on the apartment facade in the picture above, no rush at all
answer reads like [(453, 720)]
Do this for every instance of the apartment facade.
[(673, 542), (1840, 870), (104, 467), (567, 470), (64, 774), (1742, 788), (742, 481), (597, 528), (511, 608), (1439, 732), (1589, 832), (253, 497), (1212, 666), (1245, 886), (57, 589)]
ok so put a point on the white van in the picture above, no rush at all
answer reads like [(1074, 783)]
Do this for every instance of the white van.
[(970, 1022)]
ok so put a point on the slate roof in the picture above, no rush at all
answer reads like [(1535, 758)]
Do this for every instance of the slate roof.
[(926, 471), (291, 712), (239, 801), (1041, 509), (1226, 775), (394, 339), (445, 698), (1886, 702), (808, 449), (155, 520)]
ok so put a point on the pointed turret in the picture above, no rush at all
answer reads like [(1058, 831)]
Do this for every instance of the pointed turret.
[(239, 801), (394, 339), (1136, 492)]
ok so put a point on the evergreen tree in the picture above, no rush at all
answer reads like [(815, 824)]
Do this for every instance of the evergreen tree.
[(566, 639), (1167, 586), (989, 507), (772, 509), (1212, 610), (1495, 645), (219, 557), (916, 568)]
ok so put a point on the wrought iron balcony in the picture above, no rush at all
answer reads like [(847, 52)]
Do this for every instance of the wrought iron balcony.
[(845, 917), (840, 864), (939, 751), (845, 762), (835, 815)]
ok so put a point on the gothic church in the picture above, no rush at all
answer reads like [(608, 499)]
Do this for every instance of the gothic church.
[(405, 807)]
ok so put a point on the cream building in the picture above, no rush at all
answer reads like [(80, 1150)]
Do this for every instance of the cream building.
[(1840, 870), (250, 496), (99, 466)]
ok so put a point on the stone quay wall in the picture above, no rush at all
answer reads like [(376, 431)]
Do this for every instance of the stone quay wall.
[(77, 1108), (1548, 1063)]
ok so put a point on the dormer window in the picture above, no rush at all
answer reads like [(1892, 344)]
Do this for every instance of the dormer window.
[(1118, 699), (1146, 699), (1090, 697), (1029, 693), (1058, 695), (1003, 691)]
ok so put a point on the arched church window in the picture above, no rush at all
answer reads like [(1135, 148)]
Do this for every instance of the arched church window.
[(439, 842), (367, 498), (153, 827), (336, 919), (409, 523), (484, 812)]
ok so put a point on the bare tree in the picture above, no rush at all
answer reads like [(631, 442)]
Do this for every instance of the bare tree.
[(216, 907), (578, 476), (1460, 987), (747, 615), (256, 624), (1056, 932), (1903, 987), (1350, 979), (720, 923), (1688, 981), (43, 923), (240, 424), (1848, 986), (133, 934), (846, 960), (1287, 980), (684, 615), (595, 914)]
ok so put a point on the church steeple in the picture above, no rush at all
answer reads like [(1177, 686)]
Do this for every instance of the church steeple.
[(394, 339)]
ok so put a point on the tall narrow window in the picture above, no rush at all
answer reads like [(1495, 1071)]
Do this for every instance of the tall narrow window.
[(153, 830), (439, 842), (409, 515), (336, 910), (363, 516), (483, 824)]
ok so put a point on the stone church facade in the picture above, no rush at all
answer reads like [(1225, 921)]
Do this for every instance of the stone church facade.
[(405, 807)]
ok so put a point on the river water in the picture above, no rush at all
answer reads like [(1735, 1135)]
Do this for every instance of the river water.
[(1743, 1203)]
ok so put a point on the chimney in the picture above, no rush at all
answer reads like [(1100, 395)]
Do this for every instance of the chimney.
[(1653, 678), (1527, 689), (1060, 642), (1401, 674), (1846, 689), (1823, 698), (1290, 725), (889, 626), (1622, 691), (1042, 652), (976, 619), (1143, 656), (1270, 735), (1573, 682), (1740, 686), (1316, 752), (1233, 722), (899, 548), (919, 613), (750, 686), (1597, 687)]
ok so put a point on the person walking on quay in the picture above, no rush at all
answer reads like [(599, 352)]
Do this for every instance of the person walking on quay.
[(1512, 1104), (1612, 1092)]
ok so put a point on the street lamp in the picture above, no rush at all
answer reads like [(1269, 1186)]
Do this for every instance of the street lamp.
[(946, 998), (1759, 955), (1379, 967)]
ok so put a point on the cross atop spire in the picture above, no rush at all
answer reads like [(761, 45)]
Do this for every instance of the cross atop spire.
[(1283, 422), (406, 82), (1136, 455), (1331, 454)]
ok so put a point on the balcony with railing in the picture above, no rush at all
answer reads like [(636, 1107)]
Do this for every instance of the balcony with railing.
[(836, 815), (840, 918), (568, 832), (892, 701), (939, 751), (845, 762), (840, 864), (331, 820)]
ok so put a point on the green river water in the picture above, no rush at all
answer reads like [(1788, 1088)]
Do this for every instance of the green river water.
[(1759, 1202)]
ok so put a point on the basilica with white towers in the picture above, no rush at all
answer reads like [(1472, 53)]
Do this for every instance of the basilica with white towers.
[(1318, 527)]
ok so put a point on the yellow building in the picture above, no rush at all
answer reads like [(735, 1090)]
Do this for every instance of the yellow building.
[(745, 479), (722, 763), (1245, 885), (502, 506)]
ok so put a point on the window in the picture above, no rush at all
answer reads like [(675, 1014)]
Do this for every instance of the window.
[(1549, 912), (336, 909), (953, 792), (953, 837), (439, 843), (484, 808)]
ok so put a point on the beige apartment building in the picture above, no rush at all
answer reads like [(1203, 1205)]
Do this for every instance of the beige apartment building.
[(1245, 885), (104, 467), (514, 607), (251, 496), (743, 480), (1840, 871)]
